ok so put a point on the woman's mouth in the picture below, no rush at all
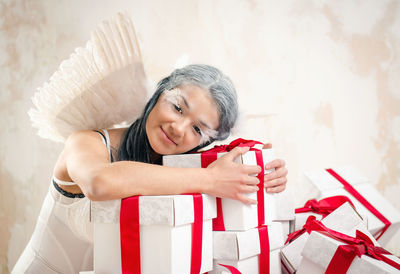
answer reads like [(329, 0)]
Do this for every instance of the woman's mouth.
[(167, 138)]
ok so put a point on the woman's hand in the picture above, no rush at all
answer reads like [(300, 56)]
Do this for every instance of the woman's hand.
[(233, 180), (275, 181)]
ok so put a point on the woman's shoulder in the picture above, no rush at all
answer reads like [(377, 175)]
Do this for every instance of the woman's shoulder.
[(88, 137)]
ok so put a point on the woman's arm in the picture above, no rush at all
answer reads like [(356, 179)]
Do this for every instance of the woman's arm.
[(87, 163)]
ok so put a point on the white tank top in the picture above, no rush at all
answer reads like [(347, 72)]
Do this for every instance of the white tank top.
[(78, 213)]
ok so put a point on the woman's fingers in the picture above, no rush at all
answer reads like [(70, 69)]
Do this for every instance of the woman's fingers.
[(280, 172), (248, 189), (277, 163), (231, 155), (267, 145), (244, 199), (276, 182), (252, 170), (276, 189)]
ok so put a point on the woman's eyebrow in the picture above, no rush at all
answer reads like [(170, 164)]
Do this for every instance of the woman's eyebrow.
[(184, 100), (188, 107)]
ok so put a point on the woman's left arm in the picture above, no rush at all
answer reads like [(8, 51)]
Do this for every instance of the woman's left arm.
[(275, 181)]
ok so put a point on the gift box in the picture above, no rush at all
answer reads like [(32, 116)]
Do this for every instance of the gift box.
[(236, 215), (165, 225), (321, 255), (343, 219), (319, 209), (241, 249), (382, 216), (301, 218)]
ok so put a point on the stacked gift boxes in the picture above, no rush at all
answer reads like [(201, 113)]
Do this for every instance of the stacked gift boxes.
[(242, 249), (165, 225), (339, 243), (240, 239), (382, 216), (326, 253), (164, 228), (343, 219), (248, 238), (343, 240)]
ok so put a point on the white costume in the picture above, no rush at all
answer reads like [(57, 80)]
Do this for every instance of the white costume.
[(62, 241), (99, 86)]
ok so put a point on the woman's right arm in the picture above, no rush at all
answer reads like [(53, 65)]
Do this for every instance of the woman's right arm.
[(87, 163)]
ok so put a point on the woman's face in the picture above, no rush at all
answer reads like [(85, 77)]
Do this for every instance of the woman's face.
[(182, 119)]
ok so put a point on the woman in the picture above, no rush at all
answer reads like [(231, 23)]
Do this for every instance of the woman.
[(190, 109)]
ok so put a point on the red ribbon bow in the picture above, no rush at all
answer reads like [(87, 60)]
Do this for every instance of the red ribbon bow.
[(344, 255), (358, 246), (235, 143), (324, 206)]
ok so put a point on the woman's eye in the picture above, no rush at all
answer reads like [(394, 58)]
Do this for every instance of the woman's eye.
[(197, 129), (178, 108)]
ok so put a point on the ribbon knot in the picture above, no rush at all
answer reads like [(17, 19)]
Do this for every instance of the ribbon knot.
[(235, 143), (324, 206), (345, 254)]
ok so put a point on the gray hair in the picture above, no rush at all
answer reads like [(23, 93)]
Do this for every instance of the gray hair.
[(216, 83), (135, 145)]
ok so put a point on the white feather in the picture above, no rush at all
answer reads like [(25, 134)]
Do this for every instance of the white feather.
[(99, 86)]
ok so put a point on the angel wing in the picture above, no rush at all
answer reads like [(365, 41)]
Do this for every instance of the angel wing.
[(99, 86)]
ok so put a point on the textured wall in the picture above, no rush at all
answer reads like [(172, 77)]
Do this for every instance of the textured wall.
[(320, 78)]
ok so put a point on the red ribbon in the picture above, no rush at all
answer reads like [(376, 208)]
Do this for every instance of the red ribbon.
[(358, 246), (363, 201), (232, 269), (344, 255), (130, 235), (264, 260), (209, 156), (325, 206), (197, 234)]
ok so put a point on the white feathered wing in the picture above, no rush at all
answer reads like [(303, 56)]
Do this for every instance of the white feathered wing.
[(99, 86)]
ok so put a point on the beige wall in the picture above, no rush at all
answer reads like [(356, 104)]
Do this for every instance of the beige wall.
[(323, 75)]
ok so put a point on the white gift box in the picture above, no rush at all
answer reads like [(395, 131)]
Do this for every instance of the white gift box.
[(301, 218), (344, 219), (165, 234), (328, 186), (241, 249), (238, 216), (319, 250)]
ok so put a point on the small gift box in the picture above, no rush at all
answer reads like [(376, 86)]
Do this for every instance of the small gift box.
[(383, 218), (242, 249), (233, 214), (160, 237), (343, 219), (318, 209), (338, 253)]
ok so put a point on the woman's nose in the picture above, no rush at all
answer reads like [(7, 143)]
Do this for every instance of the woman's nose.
[(179, 127)]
